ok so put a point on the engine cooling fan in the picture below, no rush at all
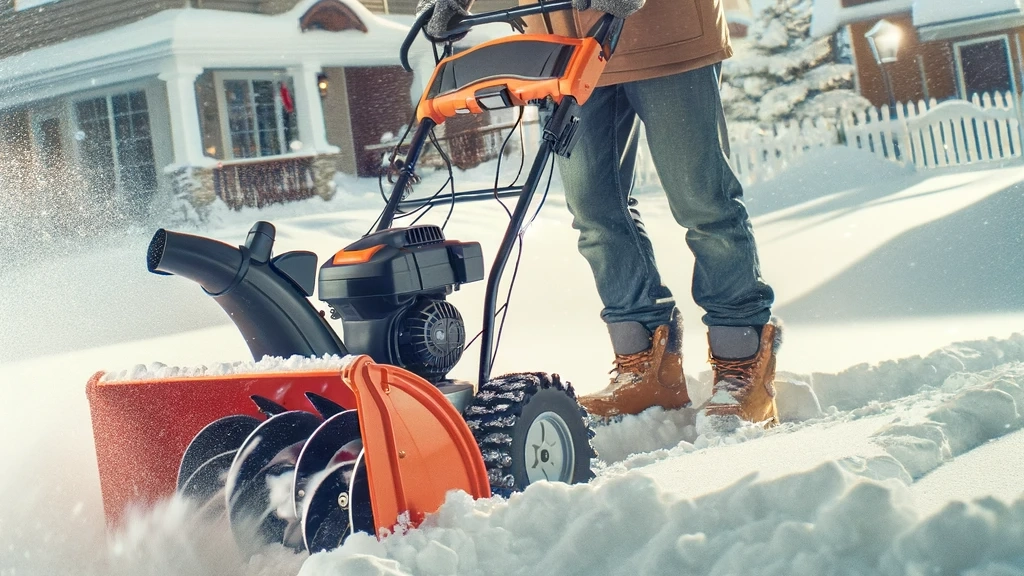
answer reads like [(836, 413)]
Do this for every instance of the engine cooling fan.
[(431, 337)]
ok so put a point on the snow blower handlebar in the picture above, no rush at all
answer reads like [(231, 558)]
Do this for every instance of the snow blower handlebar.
[(462, 24)]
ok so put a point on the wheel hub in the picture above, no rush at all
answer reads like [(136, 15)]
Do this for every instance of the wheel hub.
[(550, 453)]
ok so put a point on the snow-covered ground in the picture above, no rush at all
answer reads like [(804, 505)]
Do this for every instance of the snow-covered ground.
[(902, 293)]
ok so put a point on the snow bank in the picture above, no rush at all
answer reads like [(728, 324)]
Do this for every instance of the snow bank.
[(986, 406), (158, 371), (845, 517), (863, 384), (824, 521)]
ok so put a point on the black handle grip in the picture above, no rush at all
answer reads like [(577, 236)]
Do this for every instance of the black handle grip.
[(418, 25)]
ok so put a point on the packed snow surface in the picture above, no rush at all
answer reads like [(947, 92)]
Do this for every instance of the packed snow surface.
[(901, 384)]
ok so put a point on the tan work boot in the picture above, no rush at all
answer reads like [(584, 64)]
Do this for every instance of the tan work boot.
[(744, 377), (651, 377)]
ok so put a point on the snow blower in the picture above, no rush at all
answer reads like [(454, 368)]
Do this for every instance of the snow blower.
[(370, 433)]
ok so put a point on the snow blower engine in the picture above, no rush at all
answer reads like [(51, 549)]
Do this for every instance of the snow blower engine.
[(389, 291), (321, 438)]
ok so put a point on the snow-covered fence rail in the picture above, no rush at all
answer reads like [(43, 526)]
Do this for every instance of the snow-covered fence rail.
[(757, 155), (931, 134), (762, 155)]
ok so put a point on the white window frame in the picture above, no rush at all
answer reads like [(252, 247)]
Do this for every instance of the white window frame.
[(108, 94), (961, 81), (222, 108)]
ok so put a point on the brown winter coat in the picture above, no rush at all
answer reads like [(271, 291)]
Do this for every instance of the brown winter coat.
[(665, 37)]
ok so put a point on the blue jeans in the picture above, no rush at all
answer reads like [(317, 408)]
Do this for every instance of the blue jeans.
[(685, 127)]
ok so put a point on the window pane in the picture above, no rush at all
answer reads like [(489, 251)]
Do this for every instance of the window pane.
[(266, 116), (96, 150), (120, 103), (241, 123), (138, 101)]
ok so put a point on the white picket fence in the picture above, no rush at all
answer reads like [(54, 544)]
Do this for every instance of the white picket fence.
[(936, 135), (759, 155), (922, 134)]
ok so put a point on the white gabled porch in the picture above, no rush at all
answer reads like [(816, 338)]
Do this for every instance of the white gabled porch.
[(228, 100)]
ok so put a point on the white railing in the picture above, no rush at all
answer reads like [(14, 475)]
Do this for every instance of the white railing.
[(922, 134), (757, 155), (936, 135)]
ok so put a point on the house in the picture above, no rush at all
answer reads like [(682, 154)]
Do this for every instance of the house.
[(739, 16), (112, 109), (950, 48)]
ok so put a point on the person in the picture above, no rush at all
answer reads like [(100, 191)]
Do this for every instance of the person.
[(666, 74)]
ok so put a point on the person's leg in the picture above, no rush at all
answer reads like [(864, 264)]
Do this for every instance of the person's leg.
[(682, 114), (686, 135), (598, 179), (644, 326)]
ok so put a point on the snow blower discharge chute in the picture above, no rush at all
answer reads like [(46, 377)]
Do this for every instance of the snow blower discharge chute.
[(369, 432)]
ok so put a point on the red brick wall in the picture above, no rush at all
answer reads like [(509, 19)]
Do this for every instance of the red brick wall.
[(379, 102)]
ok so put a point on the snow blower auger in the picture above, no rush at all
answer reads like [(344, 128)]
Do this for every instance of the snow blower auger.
[(323, 438)]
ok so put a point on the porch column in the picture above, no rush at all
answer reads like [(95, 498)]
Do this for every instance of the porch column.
[(181, 100), (312, 131)]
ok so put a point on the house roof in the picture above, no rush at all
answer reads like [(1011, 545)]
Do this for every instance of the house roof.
[(932, 12), (827, 16), (934, 19), (942, 19), (194, 39)]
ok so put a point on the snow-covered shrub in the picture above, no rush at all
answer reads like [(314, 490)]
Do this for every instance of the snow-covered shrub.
[(190, 200)]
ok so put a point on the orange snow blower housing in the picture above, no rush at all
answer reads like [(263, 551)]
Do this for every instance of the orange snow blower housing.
[(372, 433)]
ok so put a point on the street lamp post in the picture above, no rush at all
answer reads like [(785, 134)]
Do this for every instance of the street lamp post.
[(885, 39)]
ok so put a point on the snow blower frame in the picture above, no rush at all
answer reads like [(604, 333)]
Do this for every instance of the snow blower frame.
[(306, 457)]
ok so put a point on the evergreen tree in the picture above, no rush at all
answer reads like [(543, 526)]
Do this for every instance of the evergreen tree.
[(780, 73)]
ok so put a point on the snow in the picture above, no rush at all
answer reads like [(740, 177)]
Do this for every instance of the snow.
[(901, 385), (267, 365), (829, 15), (932, 12), (783, 72)]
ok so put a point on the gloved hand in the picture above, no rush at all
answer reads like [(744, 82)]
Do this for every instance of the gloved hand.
[(620, 8), (444, 11)]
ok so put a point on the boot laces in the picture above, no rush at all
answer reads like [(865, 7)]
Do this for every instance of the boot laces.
[(629, 367), (733, 375)]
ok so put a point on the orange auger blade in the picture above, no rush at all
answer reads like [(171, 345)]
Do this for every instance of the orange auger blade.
[(417, 446)]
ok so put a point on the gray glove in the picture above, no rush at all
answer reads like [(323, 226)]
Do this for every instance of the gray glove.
[(444, 11), (620, 8)]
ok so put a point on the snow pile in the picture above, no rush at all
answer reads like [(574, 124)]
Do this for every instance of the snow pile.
[(854, 515), (823, 521), (863, 385), (781, 73), (986, 406), (269, 364)]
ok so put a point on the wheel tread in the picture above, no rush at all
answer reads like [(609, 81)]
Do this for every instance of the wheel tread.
[(495, 411)]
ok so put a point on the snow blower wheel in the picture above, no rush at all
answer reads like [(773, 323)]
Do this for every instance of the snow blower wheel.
[(530, 428), (380, 403)]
